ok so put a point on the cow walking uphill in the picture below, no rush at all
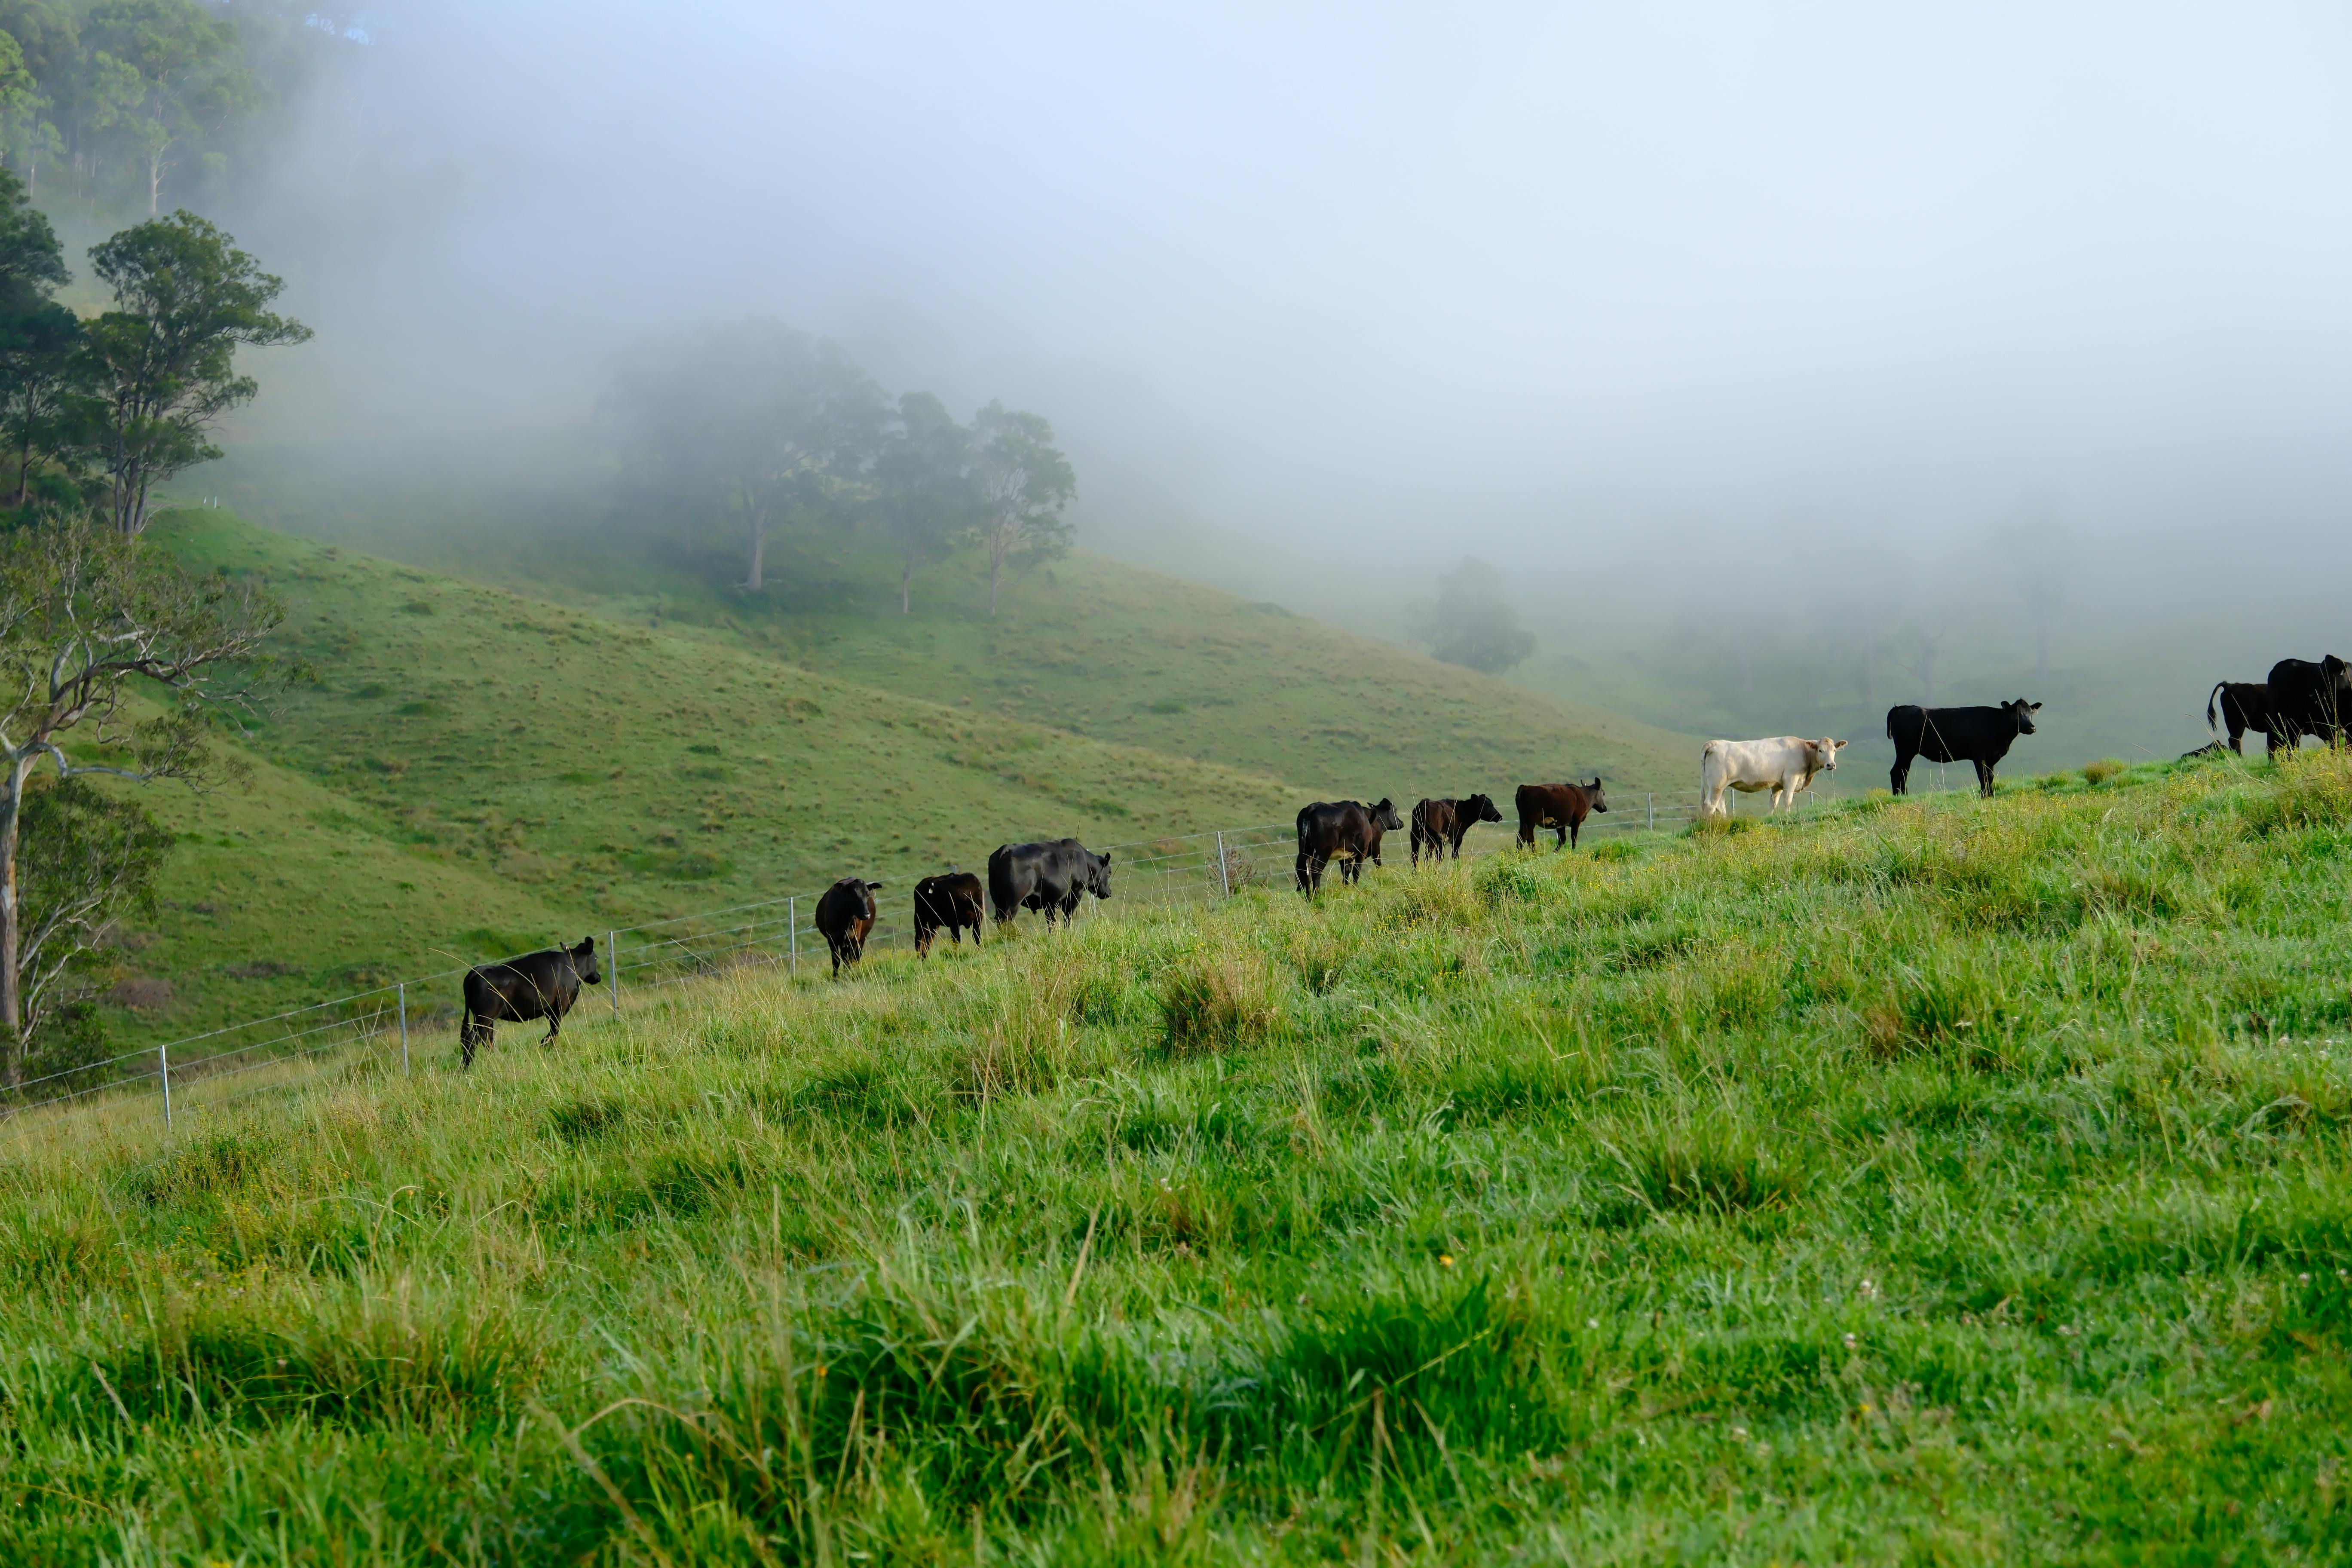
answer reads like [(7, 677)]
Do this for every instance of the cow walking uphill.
[(1784, 765), (1561, 807), (845, 918), (2309, 699), (1347, 831), (1978, 735), (542, 984), (1049, 877), (2245, 705), (1440, 825), (946, 903)]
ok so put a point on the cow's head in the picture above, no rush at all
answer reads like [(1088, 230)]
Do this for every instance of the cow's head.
[(1098, 875), (2025, 712), (1385, 814), (1825, 752), (1478, 809), (1593, 793), (584, 962), (2337, 673)]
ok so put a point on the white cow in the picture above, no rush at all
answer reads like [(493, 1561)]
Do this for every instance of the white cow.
[(1784, 765)]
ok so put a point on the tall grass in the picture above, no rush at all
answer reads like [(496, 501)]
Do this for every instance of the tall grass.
[(1943, 1180)]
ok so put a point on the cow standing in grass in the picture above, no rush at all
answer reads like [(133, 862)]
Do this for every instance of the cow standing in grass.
[(1978, 735), (1561, 807), (542, 984), (845, 918), (1048, 876), (1441, 824), (949, 903), (2245, 705), (1785, 765), (2309, 699), (1347, 831)]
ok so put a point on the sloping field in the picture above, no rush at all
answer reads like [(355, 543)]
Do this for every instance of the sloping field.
[(1090, 644), (1939, 1180)]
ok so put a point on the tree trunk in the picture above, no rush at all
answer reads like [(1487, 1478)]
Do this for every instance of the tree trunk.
[(752, 579), (905, 581), (995, 569), (12, 919)]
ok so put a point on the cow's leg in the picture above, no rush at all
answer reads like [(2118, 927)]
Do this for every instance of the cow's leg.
[(1574, 826), (465, 1028), (1559, 838), (1984, 778), (1900, 774)]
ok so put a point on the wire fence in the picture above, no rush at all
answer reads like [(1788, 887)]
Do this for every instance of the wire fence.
[(379, 1028)]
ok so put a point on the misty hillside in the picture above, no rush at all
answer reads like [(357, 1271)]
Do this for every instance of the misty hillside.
[(464, 772), (1089, 645)]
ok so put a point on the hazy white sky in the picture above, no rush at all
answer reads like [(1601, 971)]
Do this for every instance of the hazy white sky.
[(1502, 278)]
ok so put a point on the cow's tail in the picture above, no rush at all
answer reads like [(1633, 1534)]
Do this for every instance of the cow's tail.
[(2210, 700)]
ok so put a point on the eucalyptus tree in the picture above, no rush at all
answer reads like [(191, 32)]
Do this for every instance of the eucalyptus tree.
[(159, 370), (89, 619), (37, 337), (925, 494), (1022, 483), (752, 421)]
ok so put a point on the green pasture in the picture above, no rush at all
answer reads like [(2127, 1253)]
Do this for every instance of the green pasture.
[(1935, 1181)]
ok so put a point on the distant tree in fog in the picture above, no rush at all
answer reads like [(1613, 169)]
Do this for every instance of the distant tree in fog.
[(1022, 482), (1473, 625), (926, 490), (752, 421)]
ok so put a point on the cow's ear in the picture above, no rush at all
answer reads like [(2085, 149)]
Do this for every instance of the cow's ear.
[(2036, 708), (1105, 857), (1837, 746)]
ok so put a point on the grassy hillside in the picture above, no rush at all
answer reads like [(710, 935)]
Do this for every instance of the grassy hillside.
[(1941, 1181), (464, 773), (1099, 648)]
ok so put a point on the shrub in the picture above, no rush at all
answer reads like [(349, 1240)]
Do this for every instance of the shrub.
[(1219, 998), (2102, 770)]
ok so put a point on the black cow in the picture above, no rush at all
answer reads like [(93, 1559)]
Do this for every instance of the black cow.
[(1442, 824), (1978, 735), (542, 984), (1347, 831), (1048, 876), (2245, 705), (2309, 699), (1561, 807), (947, 903), (845, 918)]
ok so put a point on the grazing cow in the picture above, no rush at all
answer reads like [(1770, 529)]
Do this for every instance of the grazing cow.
[(1347, 831), (2245, 705), (2309, 699), (1561, 807), (947, 903), (1442, 824), (1978, 735), (1783, 765), (845, 918), (542, 984), (1047, 877)]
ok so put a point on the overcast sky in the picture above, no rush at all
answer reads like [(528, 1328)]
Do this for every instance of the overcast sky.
[(1537, 281)]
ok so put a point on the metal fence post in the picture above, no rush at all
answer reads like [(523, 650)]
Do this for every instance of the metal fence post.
[(792, 931), (163, 1055), (1224, 878), (613, 954), (404, 1028), (1653, 814)]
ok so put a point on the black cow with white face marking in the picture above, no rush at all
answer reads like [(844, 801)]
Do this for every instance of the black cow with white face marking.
[(1977, 735)]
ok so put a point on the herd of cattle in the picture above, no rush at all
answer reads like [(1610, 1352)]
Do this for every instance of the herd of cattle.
[(2301, 698)]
